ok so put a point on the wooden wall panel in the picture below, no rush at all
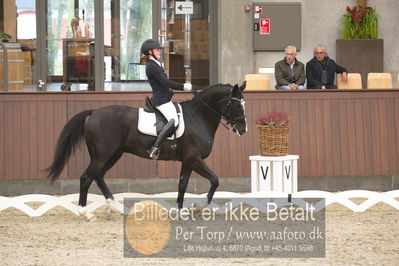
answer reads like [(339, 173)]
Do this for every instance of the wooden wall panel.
[(335, 138), (359, 138), (311, 137), (294, 141), (367, 131), (393, 142), (343, 136), (375, 137), (351, 136), (8, 139), (335, 133), (395, 133), (33, 140), (303, 133), (41, 141), (25, 164), (2, 141), (326, 124), (383, 132), (16, 147), (319, 138)]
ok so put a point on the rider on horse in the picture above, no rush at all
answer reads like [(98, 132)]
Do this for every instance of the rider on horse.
[(162, 92)]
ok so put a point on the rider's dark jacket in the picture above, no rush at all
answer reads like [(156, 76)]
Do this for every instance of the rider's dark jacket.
[(161, 86)]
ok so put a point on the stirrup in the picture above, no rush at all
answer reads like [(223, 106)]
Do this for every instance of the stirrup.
[(154, 152)]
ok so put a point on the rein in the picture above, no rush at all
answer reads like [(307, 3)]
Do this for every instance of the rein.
[(222, 117), (218, 116)]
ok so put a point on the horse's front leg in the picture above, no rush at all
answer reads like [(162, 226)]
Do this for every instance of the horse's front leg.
[(184, 177), (202, 169)]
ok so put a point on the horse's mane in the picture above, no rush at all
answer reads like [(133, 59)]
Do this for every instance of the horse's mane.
[(212, 88)]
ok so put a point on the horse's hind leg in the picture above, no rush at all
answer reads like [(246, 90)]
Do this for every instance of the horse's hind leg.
[(184, 177), (201, 168), (85, 182), (103, 186), (96, 171), (86, 179)]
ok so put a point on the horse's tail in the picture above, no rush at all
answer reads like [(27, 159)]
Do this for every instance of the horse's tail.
[(72, 134)]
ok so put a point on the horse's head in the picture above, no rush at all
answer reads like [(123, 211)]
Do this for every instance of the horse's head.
[(224, 101), (235, 110)]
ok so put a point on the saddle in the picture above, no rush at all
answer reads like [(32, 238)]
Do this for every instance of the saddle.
[(151, 121), (160, 120)]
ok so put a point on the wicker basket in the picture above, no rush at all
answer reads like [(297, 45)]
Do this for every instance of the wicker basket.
[(273, 141)]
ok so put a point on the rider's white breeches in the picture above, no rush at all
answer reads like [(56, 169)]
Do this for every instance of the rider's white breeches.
[(169, 111)]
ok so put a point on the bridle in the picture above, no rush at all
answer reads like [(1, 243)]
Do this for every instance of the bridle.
[(223, 116), (233, 121)]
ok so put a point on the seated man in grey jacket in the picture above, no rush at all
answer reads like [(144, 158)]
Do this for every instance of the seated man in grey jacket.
[(289, 72)]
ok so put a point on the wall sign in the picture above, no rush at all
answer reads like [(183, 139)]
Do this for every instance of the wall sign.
[(184, 8), (264, 26)]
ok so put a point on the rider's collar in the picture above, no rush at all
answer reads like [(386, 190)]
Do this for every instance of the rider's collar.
[(153, 59)]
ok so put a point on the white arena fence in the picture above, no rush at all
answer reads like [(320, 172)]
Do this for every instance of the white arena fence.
[(95, 201)]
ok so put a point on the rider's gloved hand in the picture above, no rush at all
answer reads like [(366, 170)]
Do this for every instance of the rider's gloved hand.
[(188, 87)]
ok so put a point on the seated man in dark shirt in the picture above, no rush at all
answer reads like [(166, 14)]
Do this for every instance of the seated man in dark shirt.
[(320, 70)]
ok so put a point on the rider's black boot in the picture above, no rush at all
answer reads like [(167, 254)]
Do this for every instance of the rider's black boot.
[(165, 132)]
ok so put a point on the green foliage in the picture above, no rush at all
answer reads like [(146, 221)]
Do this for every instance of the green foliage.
[(5, 36), (360, 23)]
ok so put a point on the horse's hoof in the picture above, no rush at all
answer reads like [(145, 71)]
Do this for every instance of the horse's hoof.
[(90, 217), (110, 212), (111, 207), (202, 203), (82, 210)]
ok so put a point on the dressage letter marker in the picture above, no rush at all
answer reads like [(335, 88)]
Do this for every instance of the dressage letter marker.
[(274, 174), (264, 174), (287, 171)]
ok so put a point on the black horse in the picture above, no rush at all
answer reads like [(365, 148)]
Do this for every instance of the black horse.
[(113, 130)]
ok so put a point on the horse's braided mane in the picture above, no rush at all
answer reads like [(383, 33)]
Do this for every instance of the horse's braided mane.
[(212, 88)]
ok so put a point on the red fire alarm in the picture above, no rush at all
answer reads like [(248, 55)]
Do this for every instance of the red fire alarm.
[(258, 9)]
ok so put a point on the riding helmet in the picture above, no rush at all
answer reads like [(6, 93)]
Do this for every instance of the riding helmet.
[(149, 44)]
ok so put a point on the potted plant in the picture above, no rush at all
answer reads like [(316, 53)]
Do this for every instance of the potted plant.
[(273, 133), (360, 23), (360, 50), (5, 37)]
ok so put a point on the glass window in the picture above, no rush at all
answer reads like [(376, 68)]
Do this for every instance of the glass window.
[(26, 36), (199, 41), (135, 28)]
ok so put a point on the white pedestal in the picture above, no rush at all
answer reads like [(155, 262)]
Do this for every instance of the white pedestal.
[(274, 174)]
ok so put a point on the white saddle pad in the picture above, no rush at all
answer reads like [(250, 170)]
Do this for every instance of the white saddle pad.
[(147, 121)]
